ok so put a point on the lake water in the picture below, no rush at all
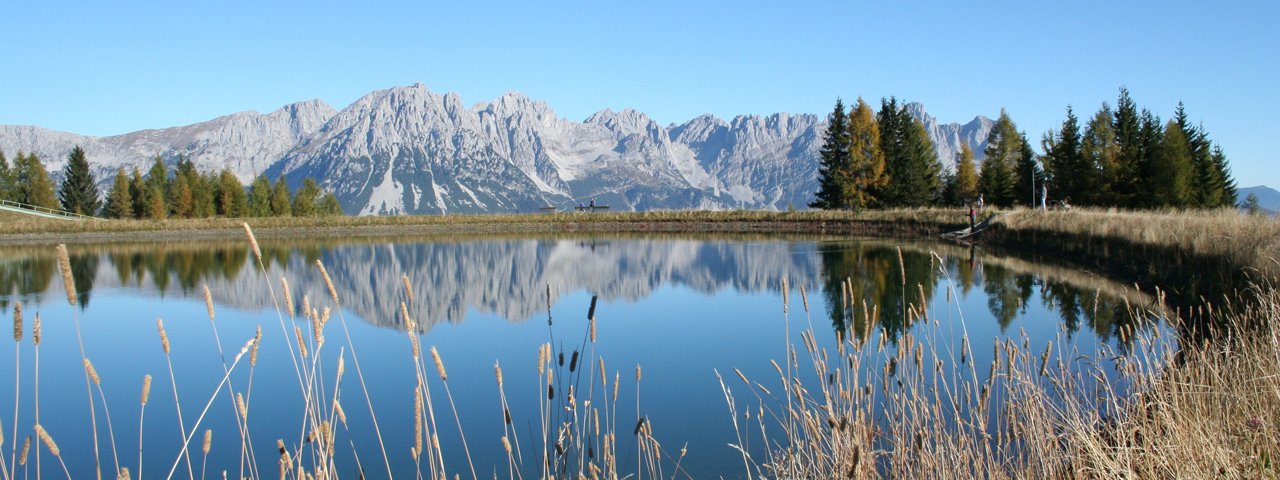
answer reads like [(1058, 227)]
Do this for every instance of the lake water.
[(680, 308)]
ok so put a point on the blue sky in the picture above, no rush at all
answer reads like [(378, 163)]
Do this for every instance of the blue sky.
[(103, 68)]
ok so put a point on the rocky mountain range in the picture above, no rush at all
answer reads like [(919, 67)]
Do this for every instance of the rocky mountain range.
[(407, 150)]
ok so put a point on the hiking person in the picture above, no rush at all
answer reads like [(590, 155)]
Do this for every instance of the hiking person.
[(971, 217)]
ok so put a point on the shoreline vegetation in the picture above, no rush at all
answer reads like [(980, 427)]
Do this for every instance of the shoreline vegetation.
[(858, 409)]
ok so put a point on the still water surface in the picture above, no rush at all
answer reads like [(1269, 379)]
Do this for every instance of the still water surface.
[(680, 308)]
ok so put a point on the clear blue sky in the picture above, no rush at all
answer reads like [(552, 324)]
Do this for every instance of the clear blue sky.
[(103, 68)]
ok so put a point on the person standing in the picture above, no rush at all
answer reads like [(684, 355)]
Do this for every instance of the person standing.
[(971, 217)]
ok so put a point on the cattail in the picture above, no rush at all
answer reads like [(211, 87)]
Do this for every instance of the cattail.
[(124, 474), (288, 297), (591, 322), (253, 354), (804, 298), (417, 419), (408, 287), (435, 356), (164, 337), (64, 266), (342, 365), (302, 347), (208, 441), (573, 362), (91, 372), (35, 330), (244, 409), (497, 372), (743, 377), (48, 440), (637, 373), (342, 414), (26, 449), (617, 378), (253, 242), (506, 444), (543, 354), (785, 294), (902, 267), (146, 389), (306, 304), (17, 322), (208, 301), (327, 281)]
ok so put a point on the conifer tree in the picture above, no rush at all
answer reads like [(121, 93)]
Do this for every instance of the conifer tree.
[(119, 202), (280, 201), (6, 179), (1251, 205), (138, 191), (834, 164), (911, 163), (181, 198), (1004, 148), (1123, 182), (304, 201), (966, 178), (32, 183), (867, 162), (157, 183), (1170, 173), (1029, 177), (260, 197), (1229, 191), (1069, 175), (202, 193), (1102, 155), (156, 207), (79, 192), (231, 197), (329, 206)]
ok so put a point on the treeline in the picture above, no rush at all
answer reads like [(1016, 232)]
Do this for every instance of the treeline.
[(183, 193), (1123, 158)]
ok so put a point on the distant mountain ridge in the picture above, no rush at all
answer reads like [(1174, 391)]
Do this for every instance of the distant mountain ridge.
[(1268, 198), (407, 150)]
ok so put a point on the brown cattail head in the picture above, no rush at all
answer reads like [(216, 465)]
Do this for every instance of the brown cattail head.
[(35, 330), (208, 441), (244, 408), (208, 301), (592, 323), (253, 243), (506, 444), (164, 337), (497, 372), (786, 294), (327, 281), (417, 419), (804, 298), (342, 365), (68, 281), (17, 322), (26, 449), (146, 389), (288, 297), (342, 414), (253, 354), (408, 287), (302, 345), (48, 440), (435, 356), (123, 474), (91, 372), (637, 373), (543, 357)]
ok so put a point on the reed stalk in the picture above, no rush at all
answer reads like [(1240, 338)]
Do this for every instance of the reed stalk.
[(177, 401)]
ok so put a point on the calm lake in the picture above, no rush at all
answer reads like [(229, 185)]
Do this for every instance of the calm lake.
[(681, 308)]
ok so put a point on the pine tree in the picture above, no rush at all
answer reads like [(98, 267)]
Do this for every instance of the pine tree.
[(260, 197), (138, 191), (966, 178), (911, 163), (304, 201), (181, 198), (231, 198), (119, 202), (1029, 177), (6, 179), (157, 183), (1123, 183), (1251, 205), (1170, 173), (1102, 155), (1069, 175), (280, 206), (834, 164), (202, 192), (1004, 148), (867, 162), (329, 206), (32, 183), (79, 192), (1229, 191)]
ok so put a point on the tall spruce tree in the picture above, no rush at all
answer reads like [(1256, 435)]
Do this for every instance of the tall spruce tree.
[(1229, 191), (1150, 135), (1004, 149), (1028, 176), (281, 205), (304, 201), (1122, 183), (32, 183), (1171, 170), (1102, 155), (260, 197), (231, 197), (966, 177), (79, 192), (329, 206), (867, 164), (157, 188), (834, 164), (119, 202), (6, 179), (138, 191), (1070, 176), (911, 163)]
